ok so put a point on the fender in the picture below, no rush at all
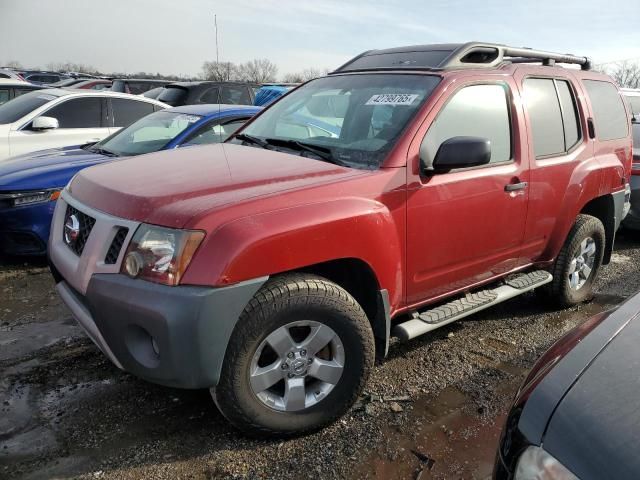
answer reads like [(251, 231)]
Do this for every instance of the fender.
[(300, 236), (583, 186)]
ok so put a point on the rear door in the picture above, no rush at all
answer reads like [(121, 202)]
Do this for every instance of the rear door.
[(81, 120), (466, 226)]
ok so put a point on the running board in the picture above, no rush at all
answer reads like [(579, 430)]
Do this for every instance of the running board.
[(437, 317)]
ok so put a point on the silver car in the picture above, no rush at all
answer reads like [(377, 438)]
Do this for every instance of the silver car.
[(632, 220)]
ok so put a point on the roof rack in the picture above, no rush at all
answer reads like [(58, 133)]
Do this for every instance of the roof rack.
[(455, 57)]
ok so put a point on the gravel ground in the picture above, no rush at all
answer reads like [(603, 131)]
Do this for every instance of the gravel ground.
[(433, 409)]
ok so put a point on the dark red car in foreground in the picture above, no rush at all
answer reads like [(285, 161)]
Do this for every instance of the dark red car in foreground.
[(432, 182)]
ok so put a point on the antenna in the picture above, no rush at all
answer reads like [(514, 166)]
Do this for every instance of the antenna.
[(215, 24)]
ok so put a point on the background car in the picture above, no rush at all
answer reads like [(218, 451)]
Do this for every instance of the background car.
[(136, 86), (576, 415), (193, 93), (68, 82), (29, 185), (44, 78), (93, 84), (58, 117), (10, 74), (632, 220), (10, 89)]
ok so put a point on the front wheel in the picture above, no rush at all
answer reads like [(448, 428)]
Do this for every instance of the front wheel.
[(577, 265), (298, 358)]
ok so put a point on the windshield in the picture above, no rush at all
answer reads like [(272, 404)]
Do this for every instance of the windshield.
[(15, 109), (149, 134), (352, 120)]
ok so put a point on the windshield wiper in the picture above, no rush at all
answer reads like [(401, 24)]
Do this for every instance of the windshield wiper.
[(323, 153), (103, 151), (251, 139)]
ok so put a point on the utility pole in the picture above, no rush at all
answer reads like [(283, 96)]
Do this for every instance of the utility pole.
[(215, 23)]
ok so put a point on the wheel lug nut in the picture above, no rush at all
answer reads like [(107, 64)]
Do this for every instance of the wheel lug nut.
[(284, 366), (291, 375), (303, 352), (310, 361), (290, 355)]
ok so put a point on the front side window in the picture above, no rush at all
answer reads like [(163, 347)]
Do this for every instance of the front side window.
[(474, 111), (215, 132), (609, 114), (149, 134), (352, 120), (126, 111), (78, 113)]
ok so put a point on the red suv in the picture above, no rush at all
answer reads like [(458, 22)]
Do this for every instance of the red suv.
[(406, 190)]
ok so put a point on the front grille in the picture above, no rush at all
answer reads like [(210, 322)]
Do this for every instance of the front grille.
[(116, 246), (76, 238)]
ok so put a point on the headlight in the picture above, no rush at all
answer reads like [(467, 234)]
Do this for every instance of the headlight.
[(160, 254), (536, 464), (18, 199)]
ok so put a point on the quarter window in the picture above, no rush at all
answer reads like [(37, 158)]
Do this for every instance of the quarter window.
[(608, 110), (125, 112), (474, 111), (78, 113)]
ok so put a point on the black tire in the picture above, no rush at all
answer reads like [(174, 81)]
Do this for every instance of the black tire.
[(559, 292), (284, 299)]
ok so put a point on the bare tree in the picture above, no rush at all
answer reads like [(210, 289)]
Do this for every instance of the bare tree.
[(71, 67), (259, 70), (220, 71), (626, 74), (304, 75), (13, 64)]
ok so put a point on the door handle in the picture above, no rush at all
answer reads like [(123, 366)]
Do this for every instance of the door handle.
[(514, 187)]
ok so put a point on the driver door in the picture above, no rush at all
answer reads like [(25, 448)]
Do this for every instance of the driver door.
[(466, 226)]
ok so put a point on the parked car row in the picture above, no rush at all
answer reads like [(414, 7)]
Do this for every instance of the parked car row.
[(408, 189)]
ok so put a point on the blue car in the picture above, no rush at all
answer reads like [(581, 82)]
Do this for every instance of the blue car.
[(30, 184)]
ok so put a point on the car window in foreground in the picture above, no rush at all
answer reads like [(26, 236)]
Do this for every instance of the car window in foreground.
[(149, 134), (350, 120), (17, 108)]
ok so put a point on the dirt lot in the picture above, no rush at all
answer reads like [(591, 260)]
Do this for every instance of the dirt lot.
[(434, 409)]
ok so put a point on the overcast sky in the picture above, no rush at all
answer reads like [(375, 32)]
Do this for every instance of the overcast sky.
[(176, 36)]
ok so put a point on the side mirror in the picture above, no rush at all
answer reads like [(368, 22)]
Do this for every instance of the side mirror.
[(45, 123), (462, 152)]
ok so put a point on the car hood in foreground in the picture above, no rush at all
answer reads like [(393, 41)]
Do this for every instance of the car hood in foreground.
[(50, 168), (595, 430), (171, 187)]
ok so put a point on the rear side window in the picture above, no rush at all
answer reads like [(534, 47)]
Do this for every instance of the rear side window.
[(125, 111), (210, 96), (474, 111), (78, 113), (4, 96), (235, 95), (609, 114), (553, 114)]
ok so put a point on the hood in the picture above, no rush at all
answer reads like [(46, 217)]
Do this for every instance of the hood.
[(171, 187), (594, 430), (50, 168)]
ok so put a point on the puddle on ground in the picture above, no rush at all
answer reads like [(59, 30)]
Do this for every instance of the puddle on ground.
[(447, 436)]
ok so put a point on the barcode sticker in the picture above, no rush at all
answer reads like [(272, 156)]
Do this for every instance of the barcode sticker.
[(392, 99)]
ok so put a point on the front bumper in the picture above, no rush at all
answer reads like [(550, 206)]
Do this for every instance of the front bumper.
[(25, 230), (174, 336)]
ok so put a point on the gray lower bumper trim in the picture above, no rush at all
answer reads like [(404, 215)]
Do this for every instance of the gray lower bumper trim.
[(83, 317)]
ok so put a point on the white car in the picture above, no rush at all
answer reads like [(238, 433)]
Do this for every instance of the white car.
[(56, 117)]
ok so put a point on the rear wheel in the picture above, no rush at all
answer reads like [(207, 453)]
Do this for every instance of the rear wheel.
[(298, 359), (578, 263)]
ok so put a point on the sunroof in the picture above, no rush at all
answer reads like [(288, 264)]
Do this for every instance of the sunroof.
[(412, 59)]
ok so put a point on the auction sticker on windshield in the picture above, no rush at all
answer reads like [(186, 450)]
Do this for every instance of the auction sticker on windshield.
[(392, 99)]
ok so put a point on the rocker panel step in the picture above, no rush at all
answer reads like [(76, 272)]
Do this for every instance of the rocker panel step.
[(434, 318)]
